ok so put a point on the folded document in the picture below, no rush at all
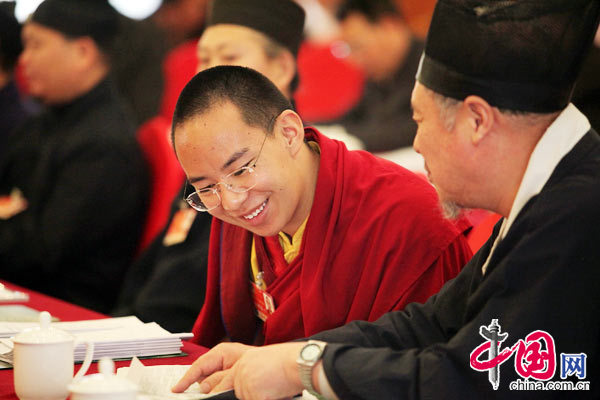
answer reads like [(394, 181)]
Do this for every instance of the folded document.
[(122, 337)]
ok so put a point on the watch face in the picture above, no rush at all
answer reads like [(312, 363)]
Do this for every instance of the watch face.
[(310, 352)]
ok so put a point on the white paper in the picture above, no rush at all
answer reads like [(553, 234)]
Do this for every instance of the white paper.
[(8, 329), (156, 381), (12, 295), (122, 337)]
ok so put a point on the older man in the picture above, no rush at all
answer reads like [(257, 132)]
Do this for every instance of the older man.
[(522, 319), (75, 180)]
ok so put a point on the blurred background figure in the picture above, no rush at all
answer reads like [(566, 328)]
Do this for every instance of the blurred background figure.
[(382, 44), (321, 24), (13, 110), (180, 20), (74, 181), (144, 47), (137, 58)]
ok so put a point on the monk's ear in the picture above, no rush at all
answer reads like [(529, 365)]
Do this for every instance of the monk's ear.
[(479, 116), (289, 125)]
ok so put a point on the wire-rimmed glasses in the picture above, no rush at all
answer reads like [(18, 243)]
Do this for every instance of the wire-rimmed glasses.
[(239, 181)]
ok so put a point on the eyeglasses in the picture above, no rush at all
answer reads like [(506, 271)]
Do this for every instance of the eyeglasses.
[(239, 181)]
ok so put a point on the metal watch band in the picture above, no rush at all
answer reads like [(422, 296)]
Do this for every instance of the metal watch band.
[(306, 367)]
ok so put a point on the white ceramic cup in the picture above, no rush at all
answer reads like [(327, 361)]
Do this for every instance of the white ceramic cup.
[(43, 362), (104, 385)]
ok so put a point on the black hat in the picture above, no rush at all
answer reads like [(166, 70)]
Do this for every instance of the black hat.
[(10, 36), (76, 18), (280, 20), (520, 55)]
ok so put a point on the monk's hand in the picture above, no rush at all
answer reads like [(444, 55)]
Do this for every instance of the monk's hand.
[(268, 372), (211, 369)]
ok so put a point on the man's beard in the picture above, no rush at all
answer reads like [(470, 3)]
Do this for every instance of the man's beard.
[(450, 209)]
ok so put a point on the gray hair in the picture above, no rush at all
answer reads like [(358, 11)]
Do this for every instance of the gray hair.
[(448, 107)]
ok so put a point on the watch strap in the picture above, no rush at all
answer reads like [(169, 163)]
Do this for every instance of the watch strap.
[(306, 368)]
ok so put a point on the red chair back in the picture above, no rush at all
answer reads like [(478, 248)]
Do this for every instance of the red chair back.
[(329, 86), (179, 66), (166, 175)]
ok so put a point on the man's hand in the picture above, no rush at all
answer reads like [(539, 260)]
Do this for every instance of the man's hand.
[(253, 372), (268, 372), (211, 365)]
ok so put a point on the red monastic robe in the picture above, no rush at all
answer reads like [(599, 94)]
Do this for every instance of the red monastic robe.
[(375, 241)]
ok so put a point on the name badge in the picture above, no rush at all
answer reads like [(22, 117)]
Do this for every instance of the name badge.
[(13, 204), (263, 302), (180, 226)]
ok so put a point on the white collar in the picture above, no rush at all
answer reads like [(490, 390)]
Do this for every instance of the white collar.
[(558, 140)]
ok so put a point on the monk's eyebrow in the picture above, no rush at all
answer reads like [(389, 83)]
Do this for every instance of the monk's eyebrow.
[(234, 157), (194, 179)]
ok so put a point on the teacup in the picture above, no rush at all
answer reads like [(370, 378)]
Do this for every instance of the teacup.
[(104, 385), (44, 362)]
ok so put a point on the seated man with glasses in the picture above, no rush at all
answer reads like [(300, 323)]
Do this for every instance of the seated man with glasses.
[(306, 235), (261, 34)]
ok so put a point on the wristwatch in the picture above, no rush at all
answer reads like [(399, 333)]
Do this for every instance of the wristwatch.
[(308, 357)]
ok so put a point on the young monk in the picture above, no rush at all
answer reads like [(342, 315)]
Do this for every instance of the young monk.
[(261, 34), (306, 235)]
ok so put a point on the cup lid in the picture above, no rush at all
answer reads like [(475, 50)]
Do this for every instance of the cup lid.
[(104, 382), (43, 333)]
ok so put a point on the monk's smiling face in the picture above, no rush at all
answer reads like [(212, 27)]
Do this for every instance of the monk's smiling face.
[(218, 142)]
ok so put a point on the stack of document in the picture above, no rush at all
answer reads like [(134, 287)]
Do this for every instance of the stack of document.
[(123, 337), (7, 295)]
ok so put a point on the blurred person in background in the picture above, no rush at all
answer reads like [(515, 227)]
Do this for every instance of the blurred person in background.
[(137, 65), (180, 20), (74, 176), (383, 46), (142, 48)]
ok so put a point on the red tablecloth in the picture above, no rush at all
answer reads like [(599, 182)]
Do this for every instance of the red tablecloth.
[(70, 312)]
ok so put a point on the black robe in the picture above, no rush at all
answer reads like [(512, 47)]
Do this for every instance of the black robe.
[(168, 282), (86, 182), (543, 275)]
